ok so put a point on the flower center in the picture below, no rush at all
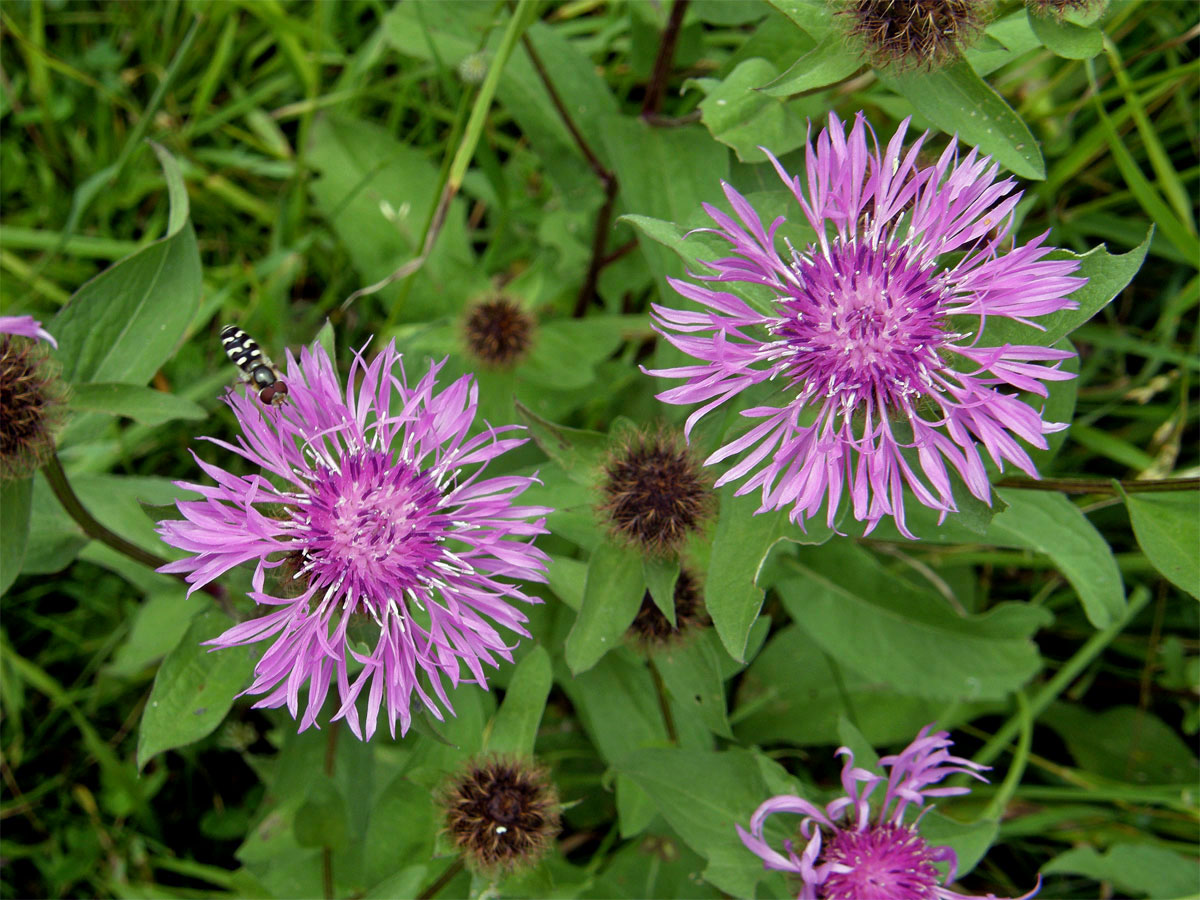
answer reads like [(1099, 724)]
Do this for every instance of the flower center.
[(498, 331), (375, 526), (864, 323), (885, 862)]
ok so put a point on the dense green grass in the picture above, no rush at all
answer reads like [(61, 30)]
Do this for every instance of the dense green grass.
[(250, 98)]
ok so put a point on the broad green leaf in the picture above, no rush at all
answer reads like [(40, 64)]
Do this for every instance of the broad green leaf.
[(869, 620), (515, 727), (377, 194), (794, 692), (740, 548), (126, 322), (142, 404), (661, 576), (158, 626), (692, 674), (959, 102), (1107, 275), (704, 796), (577, 452), (661, 867), (55, 539), (745, 118), (402, 828), (321, 819), (16, 498), (1044, 521), (1141, 869), (193, 690), (565, 352), (813, 17), (1066, 39), (612, 596), (1124, 744), (641, 154), (1167, 527), (968, 841), (829, 62)]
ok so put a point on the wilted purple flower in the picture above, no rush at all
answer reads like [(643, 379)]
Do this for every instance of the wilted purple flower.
[(26, 326), (850, 854), (866, 330), (373, 500)]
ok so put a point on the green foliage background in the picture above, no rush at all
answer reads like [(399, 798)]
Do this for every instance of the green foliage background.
[(168, 167)]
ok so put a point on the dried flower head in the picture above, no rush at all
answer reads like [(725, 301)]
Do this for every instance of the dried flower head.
[(498, 332), (654, 492), (876, 332), (31, 397), (501, 814), (373, 498), (653, 629), (474, 68), (915, 33), (852, 852)]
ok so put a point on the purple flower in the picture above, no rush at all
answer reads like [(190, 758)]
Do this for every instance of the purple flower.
[(850, 854), (887, 383), (26, 326), (373, 502)]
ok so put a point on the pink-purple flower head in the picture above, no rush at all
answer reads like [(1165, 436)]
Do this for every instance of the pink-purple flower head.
[(865, 331), (26, 326), (851, 851), (372, 500)]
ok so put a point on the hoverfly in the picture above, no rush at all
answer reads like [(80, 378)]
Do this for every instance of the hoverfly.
[(257, 370)]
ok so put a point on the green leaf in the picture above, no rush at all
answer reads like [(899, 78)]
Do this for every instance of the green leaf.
[(641, 154), (321, 821), (958, 101), (127, 321), (829, 62), (177, 196), (1106, 274), (142, 404), (1141, 869), (745, 118), (692, 675), (565, 352), (1167, 527), (16, 499), (661, 576), (1049, 523), (515, 727), (968, 841), (576, 451), (1066, 39), (1125, 744), (612, 596), (740, 548), (794, 692), (158, 626), (193, 690), (813, 17), (704, 796), (870, 620)]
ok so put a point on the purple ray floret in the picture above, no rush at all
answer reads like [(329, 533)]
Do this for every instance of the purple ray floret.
[(373, 500), (26, 326), (885, 390), (854, 852)]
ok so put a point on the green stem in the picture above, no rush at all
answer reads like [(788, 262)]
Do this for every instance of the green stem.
[(446, 877), (1100, 485), (66, 495), (1056, 685), (664, 703)]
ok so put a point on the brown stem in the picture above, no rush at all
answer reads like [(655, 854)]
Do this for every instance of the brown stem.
[(662, 63), (599, 238), (74, 507), (446, 877), (664, 703), (1100, 485), (592, 160)]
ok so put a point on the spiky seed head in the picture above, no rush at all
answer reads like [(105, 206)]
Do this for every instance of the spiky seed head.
[(501, 814), (498, 332), (31, 403), (911, 34), (652, 629), (654, 492)]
